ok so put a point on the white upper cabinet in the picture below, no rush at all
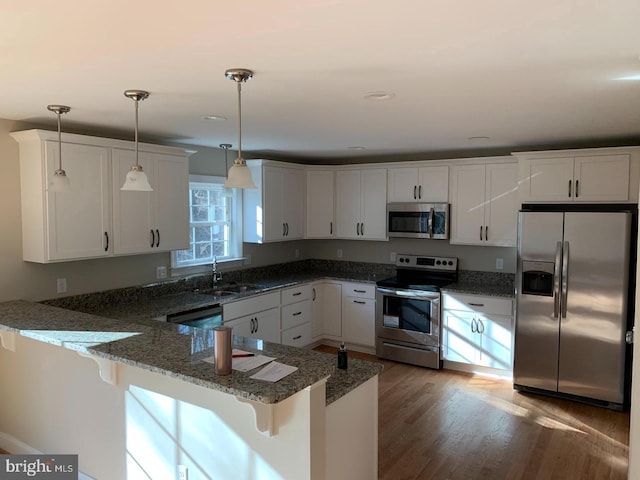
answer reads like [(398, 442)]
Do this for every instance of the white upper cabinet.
[(424, 184), (361, 203), (156, 221), (592, 175), (484, 205), (274, 212), (83, 223), (320, 204)]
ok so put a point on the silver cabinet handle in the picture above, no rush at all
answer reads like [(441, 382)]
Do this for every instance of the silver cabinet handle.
[(474, 326), (358, 228), (252, 326), (486, 233), (297, 337), (153, 238), (565, 278), (569, 195), (360, 302), (476, 304), (480, 232), (480, 326), (431, 215), (359, 291), (420, 192), (577, 188), (415, 188), (106, 237), (296, 294), (330, 228), (283, 229), (296, 314), (287, 224), (157, 237), (314, 294), (362, 228)]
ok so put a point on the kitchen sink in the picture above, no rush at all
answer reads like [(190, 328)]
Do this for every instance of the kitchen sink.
[(226, 290)]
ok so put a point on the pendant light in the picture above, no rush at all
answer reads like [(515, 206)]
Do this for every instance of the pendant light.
[(136, 180), (59, 182), (226, 147), (239, 174)]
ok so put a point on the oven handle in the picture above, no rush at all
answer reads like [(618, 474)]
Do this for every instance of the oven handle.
[(409, 293)]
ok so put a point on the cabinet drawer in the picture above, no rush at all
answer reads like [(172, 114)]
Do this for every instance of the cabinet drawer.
[(296, 314), (477, 303), (297, 336), (361, 290), (296, 294), (250, 305)]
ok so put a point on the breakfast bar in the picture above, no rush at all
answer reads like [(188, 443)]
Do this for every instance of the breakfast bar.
[(137, 400)]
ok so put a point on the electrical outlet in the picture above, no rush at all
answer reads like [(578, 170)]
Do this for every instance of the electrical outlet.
[(339, 253), (296, 253), (61, 285), (161, 272), (392, 257), (183, 472), (499, 263)]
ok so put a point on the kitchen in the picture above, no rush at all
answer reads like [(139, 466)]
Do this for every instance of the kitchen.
[(33, 281)]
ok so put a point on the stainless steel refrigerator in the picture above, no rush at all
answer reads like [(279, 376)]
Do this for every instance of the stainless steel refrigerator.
[(573, 308)]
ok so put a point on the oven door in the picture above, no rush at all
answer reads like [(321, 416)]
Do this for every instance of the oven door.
[(411, 316)]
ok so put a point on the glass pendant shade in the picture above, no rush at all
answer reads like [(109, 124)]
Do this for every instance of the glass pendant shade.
[(136, 180), (239, 176), (59, 183)]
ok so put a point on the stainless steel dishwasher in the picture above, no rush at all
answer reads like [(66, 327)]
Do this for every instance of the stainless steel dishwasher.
[(205, 317)]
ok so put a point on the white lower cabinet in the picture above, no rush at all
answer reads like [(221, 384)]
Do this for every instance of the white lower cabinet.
[(326, 310), (256, 317), (477, 330), (358, 314)]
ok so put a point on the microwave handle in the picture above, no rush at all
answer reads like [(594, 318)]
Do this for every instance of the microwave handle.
[(431, 215)]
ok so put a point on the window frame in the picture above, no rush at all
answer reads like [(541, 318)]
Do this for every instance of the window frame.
[(235, 242)]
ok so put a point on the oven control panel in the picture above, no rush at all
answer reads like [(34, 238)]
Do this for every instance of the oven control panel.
[(447, 264)]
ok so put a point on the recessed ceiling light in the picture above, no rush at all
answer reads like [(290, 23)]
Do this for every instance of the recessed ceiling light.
[(478, 138), (379, 96), (215, 117), (630, 77)]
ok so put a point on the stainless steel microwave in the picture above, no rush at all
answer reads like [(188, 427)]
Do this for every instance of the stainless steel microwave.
[(418, 220)]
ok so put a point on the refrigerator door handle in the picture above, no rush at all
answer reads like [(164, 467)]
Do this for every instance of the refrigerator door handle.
[(565, 278), (556, 280)]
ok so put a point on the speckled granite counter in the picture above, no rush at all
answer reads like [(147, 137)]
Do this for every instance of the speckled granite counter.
[(179, 351), (484, 283)]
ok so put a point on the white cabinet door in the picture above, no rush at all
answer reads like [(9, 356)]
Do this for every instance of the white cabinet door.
[(299, 336), (274, 211), (320, 204), (501, 205), (171, 202), (133, 227), (403, 185), (484, 208), (373, 204), (602, 178), (348, 199), (263, 325), (496, 340), (359, 320), (459, 342), (361, 202), (77, 222), (327, 310), (467, 204), (546, 179)]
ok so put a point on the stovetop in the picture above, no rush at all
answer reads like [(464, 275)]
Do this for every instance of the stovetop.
[(422, 273)]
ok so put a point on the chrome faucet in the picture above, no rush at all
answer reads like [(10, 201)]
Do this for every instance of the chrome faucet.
[(217, 276)]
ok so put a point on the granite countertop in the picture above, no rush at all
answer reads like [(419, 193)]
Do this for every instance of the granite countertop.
[(178, 351), (492, 290)]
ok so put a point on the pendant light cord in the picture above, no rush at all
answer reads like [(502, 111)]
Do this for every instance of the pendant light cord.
[(136, 133), (59, 143)]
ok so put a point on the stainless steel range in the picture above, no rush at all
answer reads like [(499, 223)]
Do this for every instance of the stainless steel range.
[(408, 309)]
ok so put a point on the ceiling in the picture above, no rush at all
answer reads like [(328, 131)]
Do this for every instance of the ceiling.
[(523, 74)]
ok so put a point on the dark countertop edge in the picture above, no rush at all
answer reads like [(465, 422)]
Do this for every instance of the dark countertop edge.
[(480, 289)]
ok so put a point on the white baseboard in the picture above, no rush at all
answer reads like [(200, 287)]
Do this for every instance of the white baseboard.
[(17, 447)]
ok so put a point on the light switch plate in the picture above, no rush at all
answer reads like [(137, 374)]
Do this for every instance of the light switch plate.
[(61, 285), (161, 272), (499, 263)]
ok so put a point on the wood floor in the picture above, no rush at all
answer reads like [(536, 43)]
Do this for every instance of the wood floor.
[(440, 424)]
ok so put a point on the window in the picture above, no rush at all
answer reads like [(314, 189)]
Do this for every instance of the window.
[(215, 223)]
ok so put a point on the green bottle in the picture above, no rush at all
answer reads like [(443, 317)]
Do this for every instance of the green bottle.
[(342, 357)]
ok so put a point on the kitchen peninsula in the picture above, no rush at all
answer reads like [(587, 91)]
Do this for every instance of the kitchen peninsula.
[(137, 400)]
